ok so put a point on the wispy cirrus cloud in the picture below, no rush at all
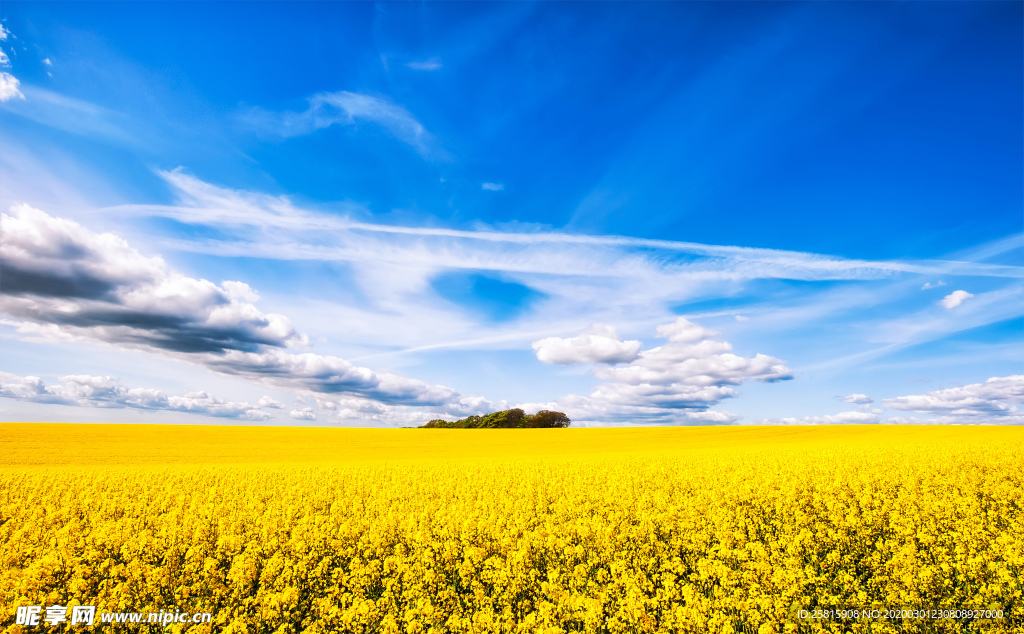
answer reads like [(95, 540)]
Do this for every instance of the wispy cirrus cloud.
[(345, 108), (434, 63), (77, 116), (210, 205)]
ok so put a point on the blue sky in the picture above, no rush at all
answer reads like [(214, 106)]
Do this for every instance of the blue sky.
[(636, 213)]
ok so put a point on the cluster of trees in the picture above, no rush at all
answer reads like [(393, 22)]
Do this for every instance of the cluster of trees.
[(507, 419)]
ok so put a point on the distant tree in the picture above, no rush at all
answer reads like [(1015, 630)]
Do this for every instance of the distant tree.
[(548, 418), (505, 419)]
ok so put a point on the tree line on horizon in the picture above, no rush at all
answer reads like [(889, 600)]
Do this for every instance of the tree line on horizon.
[(505, 419)]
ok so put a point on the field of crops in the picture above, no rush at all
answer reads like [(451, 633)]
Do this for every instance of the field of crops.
[(601, 530)]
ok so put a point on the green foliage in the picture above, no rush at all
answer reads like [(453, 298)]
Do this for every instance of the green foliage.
[(507, 419)]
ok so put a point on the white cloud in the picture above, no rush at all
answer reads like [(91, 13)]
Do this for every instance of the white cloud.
[(360, 411), (291, 229), (64, 282), (990, 401), (269, 403), (9, 87), (842, 418), (858, 399), (597, 410), (592, 278), (80, 117), (492, 187), (331, 108), (325, 374), (3, 33), (929, 285), (4, 60), (598, 344), (430, 64), (684, 331), (306, 413), (1014, 418), (742, 318), (239, 291), (675, 383), (47, 62), (900, 332), (58, 272), (583, 278), (955, 298), (106, 391)]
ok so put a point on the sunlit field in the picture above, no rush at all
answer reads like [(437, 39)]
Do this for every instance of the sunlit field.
[(700, 529)]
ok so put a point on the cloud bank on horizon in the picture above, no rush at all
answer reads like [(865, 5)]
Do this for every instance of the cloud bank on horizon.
[(399, 239)]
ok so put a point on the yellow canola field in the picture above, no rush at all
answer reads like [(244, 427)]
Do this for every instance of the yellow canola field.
[(731, 529)]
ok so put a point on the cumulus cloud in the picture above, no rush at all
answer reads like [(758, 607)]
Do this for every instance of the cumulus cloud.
[(9, 87), (239, 291), (306, 413), (842, 418), (106, 391), (4, 60), (992, 401), (915, 420), (955, 298), (692, 358), (326, 374), (858, 399), (360, 411), (492, 187), (354, 407), (57, 272), (65, 282), (47, 62), (675, 383), (357, 410), (598, 344), (929, 285), (347, 108), (683, 331), (597, 410), (269, 403)]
